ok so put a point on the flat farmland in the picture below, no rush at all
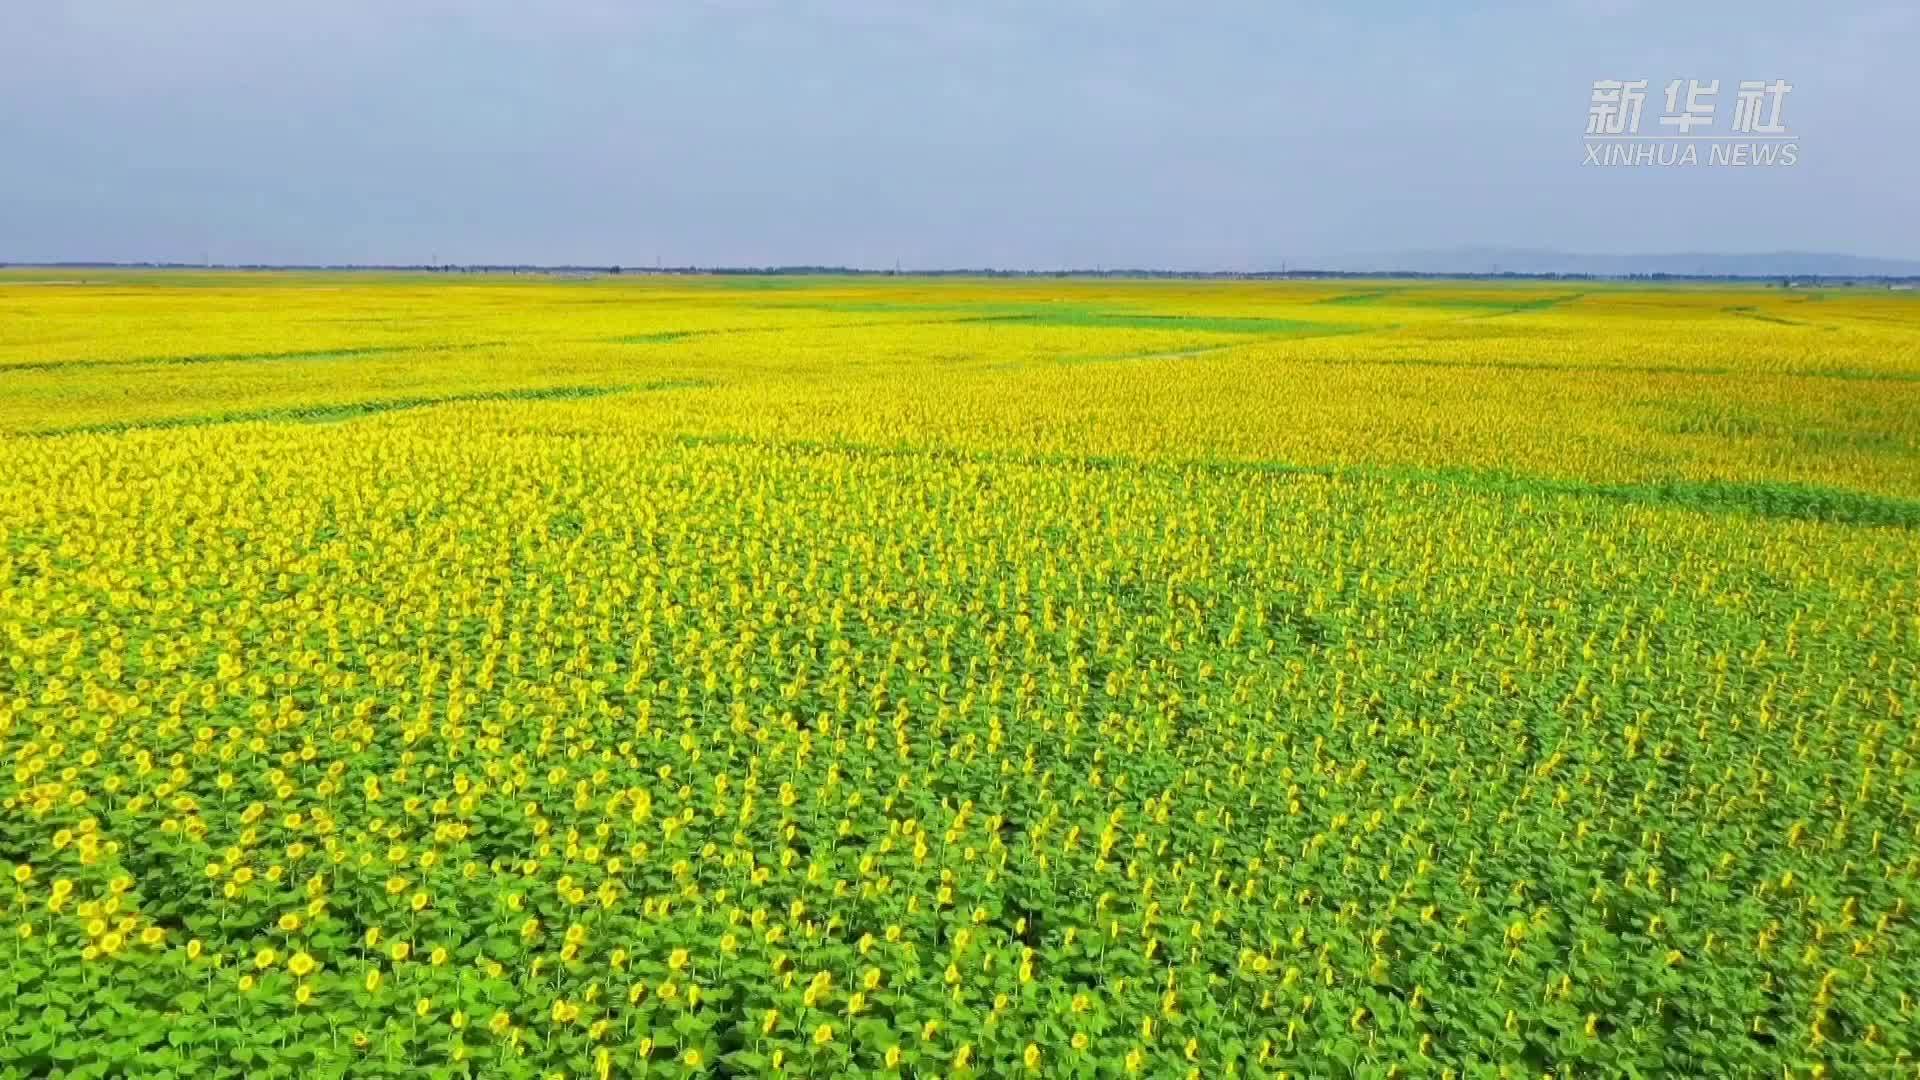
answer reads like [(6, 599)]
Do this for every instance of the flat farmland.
[(671, 676)]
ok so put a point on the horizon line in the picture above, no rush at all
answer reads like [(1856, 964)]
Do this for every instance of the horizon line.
[(826, 270)]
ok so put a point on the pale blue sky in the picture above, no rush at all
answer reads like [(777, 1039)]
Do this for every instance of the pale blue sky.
[(1198, 135)]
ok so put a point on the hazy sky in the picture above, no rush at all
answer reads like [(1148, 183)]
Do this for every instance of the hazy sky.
[(965, 133)]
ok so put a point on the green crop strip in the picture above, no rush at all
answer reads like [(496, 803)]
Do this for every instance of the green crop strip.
[(1111, 320), (332, 413), (245, 357), (1782, 501)]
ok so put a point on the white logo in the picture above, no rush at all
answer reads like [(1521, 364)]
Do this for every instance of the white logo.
[(1616, 107), (1685, 135), (1746, 108), (1699, 107)]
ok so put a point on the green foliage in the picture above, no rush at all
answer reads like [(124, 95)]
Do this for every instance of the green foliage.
[(886, 699)]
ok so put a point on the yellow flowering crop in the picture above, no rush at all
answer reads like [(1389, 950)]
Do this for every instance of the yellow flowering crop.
[(841, 675)]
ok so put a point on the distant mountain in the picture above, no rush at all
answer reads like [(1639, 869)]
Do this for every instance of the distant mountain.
[(1492, 260)]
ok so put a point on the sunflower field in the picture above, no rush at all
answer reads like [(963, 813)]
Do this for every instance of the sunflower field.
[(631, 676)]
